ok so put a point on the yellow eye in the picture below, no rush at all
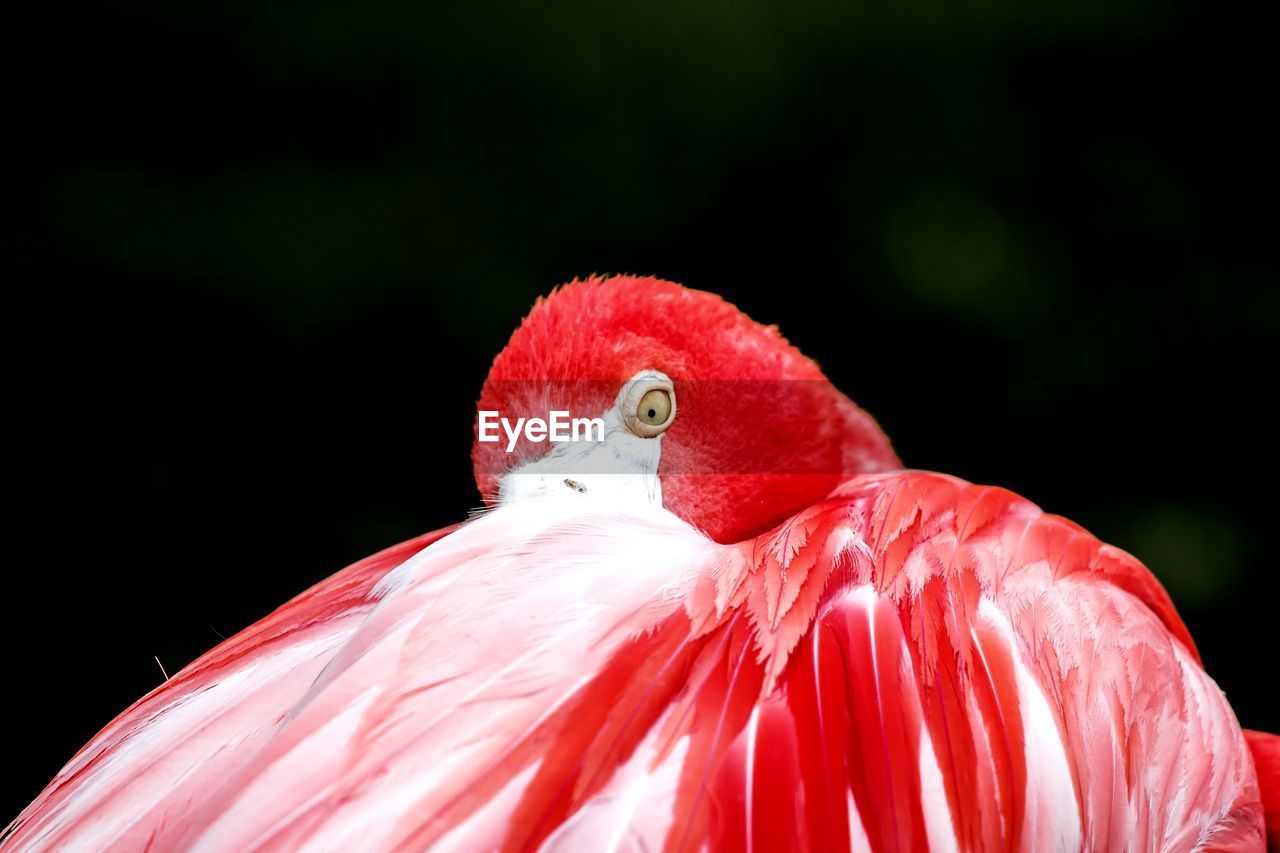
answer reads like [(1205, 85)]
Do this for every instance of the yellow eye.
[(654, 408), (647, 404)]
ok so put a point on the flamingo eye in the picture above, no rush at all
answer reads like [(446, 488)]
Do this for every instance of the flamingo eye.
[(649, 405), (654, 408)]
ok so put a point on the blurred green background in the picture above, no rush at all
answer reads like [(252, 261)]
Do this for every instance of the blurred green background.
[(270, 250)]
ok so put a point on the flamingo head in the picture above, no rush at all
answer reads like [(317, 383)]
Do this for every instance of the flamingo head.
[(678, 397)]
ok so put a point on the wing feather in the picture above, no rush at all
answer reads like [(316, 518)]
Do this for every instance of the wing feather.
[(914, 663)]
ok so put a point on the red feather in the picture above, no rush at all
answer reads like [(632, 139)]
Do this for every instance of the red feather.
[(1266, 757), (952, 668)]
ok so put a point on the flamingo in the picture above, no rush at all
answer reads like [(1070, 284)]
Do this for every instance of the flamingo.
[(734, 623)]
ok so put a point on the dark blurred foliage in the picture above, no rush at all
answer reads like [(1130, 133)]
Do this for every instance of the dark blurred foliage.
[(271, 249)]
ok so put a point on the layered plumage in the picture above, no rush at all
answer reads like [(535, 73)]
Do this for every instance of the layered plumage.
[(905, 661)]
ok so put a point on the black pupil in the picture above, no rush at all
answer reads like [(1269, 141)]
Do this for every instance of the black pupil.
[(653, 413)]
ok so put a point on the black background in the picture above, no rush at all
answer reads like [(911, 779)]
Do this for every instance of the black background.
[(266, 251)]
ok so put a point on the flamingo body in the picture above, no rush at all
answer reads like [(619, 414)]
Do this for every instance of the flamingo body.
[(905, 662), (898, 667)]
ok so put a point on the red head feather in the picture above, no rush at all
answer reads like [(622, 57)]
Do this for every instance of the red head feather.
[(760, 432)]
